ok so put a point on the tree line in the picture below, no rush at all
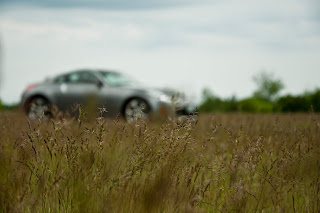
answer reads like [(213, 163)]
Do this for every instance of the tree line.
[(264, 99)]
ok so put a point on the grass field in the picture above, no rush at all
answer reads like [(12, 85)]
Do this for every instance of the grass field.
[(222, 163)]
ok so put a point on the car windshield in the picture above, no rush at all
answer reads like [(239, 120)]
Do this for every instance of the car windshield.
[(117, 79)]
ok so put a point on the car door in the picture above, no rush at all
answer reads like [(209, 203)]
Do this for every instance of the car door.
[(111, 99), (114, 94), (76, 88)]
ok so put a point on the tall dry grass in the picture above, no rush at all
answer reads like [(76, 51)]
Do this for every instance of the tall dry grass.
[(222, 163)]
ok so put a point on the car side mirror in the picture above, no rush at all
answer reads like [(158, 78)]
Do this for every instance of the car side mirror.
[(99, 84)]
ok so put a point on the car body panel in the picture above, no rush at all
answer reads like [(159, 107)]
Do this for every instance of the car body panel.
[(65, 93)]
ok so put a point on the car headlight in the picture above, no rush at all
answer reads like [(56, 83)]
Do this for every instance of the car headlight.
[(161, 96), (165, 98)]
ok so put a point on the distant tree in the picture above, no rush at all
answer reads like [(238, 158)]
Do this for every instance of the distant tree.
[(212, 103), (1, 105), (291, 103), (268, 87), (231, 104), (207, 94), (308, 101), (315, 100), (1, 62)]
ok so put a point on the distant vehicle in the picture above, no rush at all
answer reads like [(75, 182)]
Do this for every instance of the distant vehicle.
[(118, 93)]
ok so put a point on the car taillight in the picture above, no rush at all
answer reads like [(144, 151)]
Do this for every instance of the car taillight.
[(29, 87)]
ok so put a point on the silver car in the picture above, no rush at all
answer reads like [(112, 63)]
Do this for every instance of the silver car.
[(115, 92)]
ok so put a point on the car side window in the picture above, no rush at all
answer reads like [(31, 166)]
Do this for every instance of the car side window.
[(61, 79), (77, 77), (73, 78), (86, 77)]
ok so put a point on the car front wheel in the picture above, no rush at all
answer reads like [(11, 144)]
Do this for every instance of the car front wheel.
[(135, 109)]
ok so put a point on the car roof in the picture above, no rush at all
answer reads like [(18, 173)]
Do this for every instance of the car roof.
[(85, 70)]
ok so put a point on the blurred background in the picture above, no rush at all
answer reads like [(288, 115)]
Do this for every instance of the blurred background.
[(215, 51)]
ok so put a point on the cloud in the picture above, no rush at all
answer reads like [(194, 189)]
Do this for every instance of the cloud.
[(100, 4), (222, 25)]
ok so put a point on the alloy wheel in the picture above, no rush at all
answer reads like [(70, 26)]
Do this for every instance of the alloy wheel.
[(136, 109)]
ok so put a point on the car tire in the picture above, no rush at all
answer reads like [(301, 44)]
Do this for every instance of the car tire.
[(38, 108), (136, 109)]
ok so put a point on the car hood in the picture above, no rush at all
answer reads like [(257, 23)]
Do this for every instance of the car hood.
[(146, 88), (179, 98)]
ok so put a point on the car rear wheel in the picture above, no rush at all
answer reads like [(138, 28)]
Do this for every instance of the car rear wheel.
[(135, 109), (39, 107)]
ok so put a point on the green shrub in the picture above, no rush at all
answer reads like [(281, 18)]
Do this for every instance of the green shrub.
[(315, 100), (291, 103), (210, 104), (1, 105), (215, 104), (255, 105)]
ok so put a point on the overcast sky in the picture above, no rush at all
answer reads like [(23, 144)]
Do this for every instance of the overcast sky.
[(181, 44)]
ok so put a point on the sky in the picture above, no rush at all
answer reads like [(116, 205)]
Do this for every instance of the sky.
[(182, 44)]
